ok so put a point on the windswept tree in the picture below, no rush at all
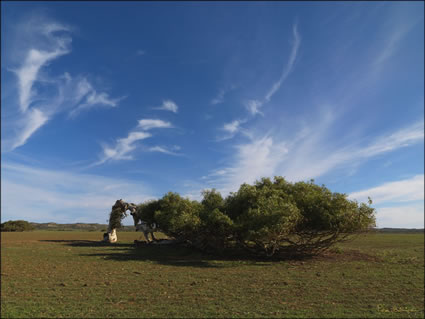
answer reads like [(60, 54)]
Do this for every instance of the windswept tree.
[(294, 218), (269, 218)]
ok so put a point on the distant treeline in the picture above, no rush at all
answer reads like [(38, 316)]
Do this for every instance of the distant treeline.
[(400, 230), (21, 225), (16, 225)]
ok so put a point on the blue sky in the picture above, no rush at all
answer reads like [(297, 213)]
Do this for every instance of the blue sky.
[(109, 100)]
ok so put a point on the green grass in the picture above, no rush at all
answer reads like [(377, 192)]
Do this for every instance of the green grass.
[(70, 274)]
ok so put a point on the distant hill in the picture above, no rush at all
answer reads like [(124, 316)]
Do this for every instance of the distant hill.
[(104, 227), (77, 227), (400, 230)]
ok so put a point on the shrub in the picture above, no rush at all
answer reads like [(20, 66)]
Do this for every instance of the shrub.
[(216, 228), (178, 217), (269, 218), (295, 218), (264, 218), (16, 225), (146, 211)]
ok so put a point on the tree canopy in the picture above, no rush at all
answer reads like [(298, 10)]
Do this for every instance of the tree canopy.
[(270, 218)]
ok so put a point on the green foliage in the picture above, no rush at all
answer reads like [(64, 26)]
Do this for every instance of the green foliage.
[(16, 225), (294, 218), (212, 200), (269, 218), (216, 227), (146, 211), (115, 218), (179, 217)]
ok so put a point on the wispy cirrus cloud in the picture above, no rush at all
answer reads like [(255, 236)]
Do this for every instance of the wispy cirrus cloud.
[(125, 146), (27, 73), (399, 25), (313, 151), (218, 172), (307, 155), (231, 129), (148, 124), (403, 137), (312, 156), (219, 98), (63, 196), (254, 106), (401, 216), (88, 97), (259, 158), (164, 150), (31, 122), (51, 46), (41, 95), (411, 189), (398, 203), (31, 118), (288, 67), (168, 105)]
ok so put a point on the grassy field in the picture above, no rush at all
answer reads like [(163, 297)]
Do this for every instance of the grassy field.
[(70, 274)]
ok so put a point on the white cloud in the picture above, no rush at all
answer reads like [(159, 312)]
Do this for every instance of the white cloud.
[(123, 147), (27, 74), (399, 204), (32, 121), (389, 45), (44, 46), (289, 66), (232, 127), (83, 87), (164, 150), (218, 172), (85, 96), (401, 138), (399, 191), (406, 216), (42, 41), (52, 27), (219, 98), (305, 156), (221, 93), (256, 159), (254, 105), (148, 124), (168, 105), (312, 156), (43, 195), (101, 98)]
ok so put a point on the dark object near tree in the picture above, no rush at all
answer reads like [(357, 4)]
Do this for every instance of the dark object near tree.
[(16, 225), (119, 212), (269, 218)]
